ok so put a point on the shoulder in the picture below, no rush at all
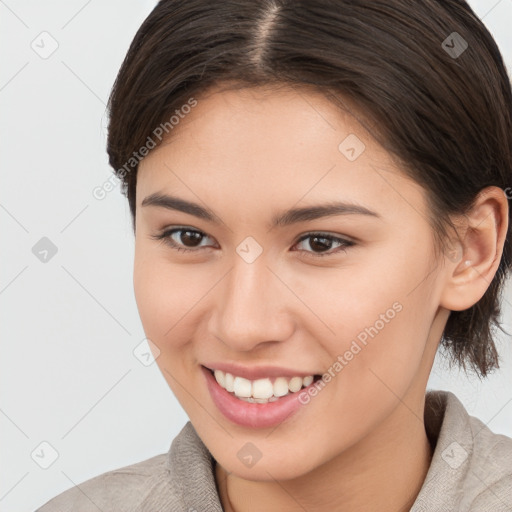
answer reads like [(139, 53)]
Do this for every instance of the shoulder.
[(490, 469), (497, 497), (119, 489), (152, 484), (471, 467)]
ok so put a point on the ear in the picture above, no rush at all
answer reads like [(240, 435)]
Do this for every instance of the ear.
[(472, 265)]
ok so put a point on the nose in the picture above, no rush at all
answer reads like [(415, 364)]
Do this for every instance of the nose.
[(252, 307)]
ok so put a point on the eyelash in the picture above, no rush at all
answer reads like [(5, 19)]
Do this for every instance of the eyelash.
[(166, 238)]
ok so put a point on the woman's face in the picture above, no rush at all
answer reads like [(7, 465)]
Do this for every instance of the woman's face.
[(260, 299)]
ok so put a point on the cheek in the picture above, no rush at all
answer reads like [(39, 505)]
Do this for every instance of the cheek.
[(160, 293), (163, 303), (168, 296), (379, 315)]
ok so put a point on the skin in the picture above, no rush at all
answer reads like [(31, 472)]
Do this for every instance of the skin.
[(246, 155)]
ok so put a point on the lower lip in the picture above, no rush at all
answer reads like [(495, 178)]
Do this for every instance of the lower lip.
[(252, 415)]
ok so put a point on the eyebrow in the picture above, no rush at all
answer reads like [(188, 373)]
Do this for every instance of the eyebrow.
[(286, 218)]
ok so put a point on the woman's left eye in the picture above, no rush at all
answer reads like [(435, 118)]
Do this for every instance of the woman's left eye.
[(321, 241), (189, 240)]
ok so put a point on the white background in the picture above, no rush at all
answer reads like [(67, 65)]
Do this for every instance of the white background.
[(69, 326)]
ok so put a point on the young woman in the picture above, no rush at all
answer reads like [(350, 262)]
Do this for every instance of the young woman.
[(320, 199)]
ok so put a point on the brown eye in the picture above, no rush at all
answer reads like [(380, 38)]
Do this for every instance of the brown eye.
[(182, 239), (190, 238), (321, 244)]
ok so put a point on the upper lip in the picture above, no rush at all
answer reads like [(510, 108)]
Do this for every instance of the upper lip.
[(256, 372)]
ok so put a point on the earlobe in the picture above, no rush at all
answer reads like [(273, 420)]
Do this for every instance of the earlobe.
[(469, 275)]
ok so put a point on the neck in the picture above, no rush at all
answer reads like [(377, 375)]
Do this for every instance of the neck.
[(384, 471)]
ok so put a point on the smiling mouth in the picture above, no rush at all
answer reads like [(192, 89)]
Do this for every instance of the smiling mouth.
[(263, 390)]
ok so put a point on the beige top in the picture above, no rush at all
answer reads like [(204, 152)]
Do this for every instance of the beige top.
[(470, 471)]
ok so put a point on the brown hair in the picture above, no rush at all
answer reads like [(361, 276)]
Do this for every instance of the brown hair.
[(426, 77)]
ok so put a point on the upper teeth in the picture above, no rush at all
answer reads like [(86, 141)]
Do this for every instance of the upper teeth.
[(260, 390)]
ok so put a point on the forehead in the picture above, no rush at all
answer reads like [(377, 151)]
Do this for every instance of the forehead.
[(274, 145)]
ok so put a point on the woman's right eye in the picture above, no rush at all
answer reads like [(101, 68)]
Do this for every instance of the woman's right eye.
[(176, 237)]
